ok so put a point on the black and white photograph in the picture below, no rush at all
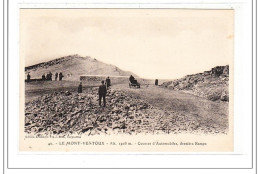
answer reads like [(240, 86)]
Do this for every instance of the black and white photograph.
[(127, 72), (108, 86)]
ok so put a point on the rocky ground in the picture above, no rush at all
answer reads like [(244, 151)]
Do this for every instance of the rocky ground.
[(212, 85), (127, 112)]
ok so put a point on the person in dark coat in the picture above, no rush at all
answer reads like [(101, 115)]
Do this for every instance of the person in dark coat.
[(43, 77), (56, 76), (156, 82), (28, 77), (131, 79), (102, 91), (47, 76), (80, 87), (60, 76), (108, 82), (50, 76)]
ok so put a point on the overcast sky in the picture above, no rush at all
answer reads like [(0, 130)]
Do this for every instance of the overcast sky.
[(152, 43)]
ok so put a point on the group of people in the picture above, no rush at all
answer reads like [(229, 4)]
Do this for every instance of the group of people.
[(134, 81), (102, 90), (49, 76)]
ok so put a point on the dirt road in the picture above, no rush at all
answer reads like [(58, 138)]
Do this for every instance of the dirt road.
[(207, 112)]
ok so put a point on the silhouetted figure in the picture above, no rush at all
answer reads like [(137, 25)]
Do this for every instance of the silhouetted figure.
[(102, 91), (131, 79), (47, 76), (156, 82), (80, 87), (60, 76), (28, 77), (43, 77), (108, 82), (56, 76), (50, 76)]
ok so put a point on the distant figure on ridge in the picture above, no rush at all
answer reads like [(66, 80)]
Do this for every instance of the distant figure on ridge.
[(156, 82), (102, 91), (80, 87), (43, 77), (47, 76), (108, 82), (28, 77), (56, 76), (50, 76), (60, 76)]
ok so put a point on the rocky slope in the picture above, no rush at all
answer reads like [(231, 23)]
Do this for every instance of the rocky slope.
[(73, 66), (212, 85)]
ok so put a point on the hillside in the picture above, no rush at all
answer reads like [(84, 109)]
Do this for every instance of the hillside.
[(53, 108), (212, 85), (73, 66)]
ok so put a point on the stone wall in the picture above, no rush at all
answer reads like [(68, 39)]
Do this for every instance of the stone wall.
[(96, 79)]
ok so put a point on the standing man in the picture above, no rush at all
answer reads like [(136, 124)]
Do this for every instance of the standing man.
[(156, 82), (80, 87), (102, 91), (47, 76), (50, 76), (131, 79), (28, 77), (60, 76), (43, 77), (56, 76), (108, 82)]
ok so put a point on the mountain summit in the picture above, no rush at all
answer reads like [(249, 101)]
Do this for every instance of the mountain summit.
[(73, 66)]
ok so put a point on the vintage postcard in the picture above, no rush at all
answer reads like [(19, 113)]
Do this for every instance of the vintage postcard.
[(126, 80)]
